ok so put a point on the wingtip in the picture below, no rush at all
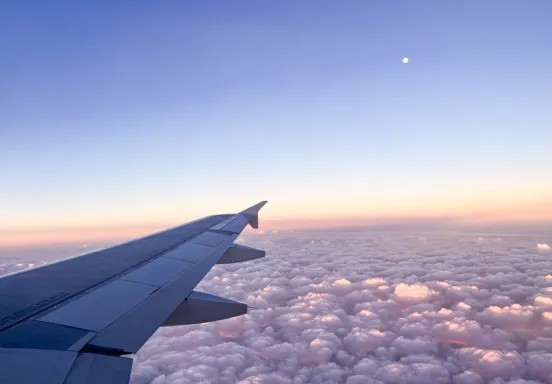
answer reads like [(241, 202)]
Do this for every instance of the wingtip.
[(253, 210)]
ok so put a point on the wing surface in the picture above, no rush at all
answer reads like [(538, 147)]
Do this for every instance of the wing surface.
[(73, 321)]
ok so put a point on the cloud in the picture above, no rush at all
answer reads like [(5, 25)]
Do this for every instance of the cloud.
[(468, 377), (412, 294), (491, 363), (543, 247), (366, 307)]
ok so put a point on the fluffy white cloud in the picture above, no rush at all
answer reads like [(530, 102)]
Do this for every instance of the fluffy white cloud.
[(413, 294), (543, 247), (366, 307)]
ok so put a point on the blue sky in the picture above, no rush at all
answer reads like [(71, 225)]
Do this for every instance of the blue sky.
[(137, 112)]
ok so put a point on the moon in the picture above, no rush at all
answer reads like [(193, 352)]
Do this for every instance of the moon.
[(405, 60)]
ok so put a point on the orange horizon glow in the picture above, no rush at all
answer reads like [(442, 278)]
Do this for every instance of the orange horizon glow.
[(45, 237), (534, 212)]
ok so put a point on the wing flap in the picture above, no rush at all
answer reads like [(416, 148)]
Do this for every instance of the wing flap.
[(91, 368), (99, 308), (34, 334), (47, 367)]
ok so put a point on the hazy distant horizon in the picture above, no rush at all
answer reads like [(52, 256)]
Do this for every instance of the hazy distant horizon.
[(85, 238)]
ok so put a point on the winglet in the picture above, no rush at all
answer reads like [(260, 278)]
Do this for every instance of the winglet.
[(252, 214), (254, 210)]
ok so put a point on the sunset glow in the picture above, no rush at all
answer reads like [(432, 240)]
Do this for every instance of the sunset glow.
[(311, 215), (333, 129)]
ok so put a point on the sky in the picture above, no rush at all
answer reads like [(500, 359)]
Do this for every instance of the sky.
[(120, 118)]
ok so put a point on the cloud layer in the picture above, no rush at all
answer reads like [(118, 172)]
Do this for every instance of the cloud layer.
[(366, 307), (543, 247), (370, 308)]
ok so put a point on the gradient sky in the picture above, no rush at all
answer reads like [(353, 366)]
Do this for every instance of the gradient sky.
[(139, 113)]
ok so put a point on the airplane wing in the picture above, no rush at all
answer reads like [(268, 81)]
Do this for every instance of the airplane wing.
[(73, 321)]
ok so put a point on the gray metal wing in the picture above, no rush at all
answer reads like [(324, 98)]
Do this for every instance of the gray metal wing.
[(73, 321)]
